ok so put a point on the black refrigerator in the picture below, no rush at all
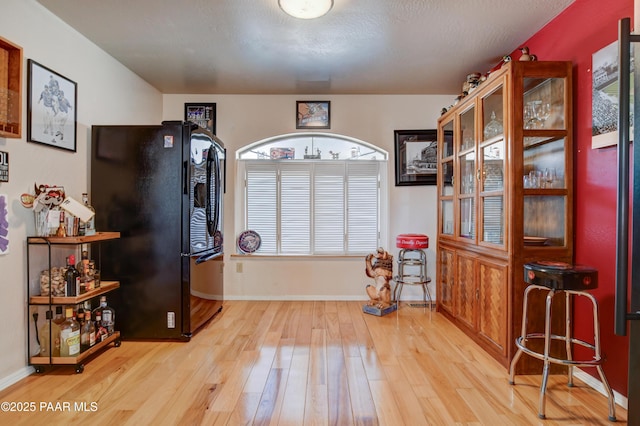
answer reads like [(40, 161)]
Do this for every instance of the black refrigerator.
[(162, 188)]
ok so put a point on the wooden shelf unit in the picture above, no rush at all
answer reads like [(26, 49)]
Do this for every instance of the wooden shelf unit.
[(10, 89), (48, 301)]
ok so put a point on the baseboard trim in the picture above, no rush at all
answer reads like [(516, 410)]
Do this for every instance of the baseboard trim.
[(9, 380), (290, 297), (293, 297), (596, 384)]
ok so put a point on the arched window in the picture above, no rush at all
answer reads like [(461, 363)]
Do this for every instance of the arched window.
[(313, 194)]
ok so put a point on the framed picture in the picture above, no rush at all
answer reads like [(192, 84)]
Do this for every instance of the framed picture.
[(51, 108), (313, 114), (604, 103), (204, 115), (416, 157)]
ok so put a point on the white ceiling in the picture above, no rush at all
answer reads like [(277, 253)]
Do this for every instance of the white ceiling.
[(359, 47)]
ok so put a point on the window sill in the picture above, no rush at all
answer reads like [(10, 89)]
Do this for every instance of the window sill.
[(295, 256)]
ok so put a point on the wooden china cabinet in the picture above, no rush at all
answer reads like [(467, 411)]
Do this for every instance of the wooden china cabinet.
[(505, 197)]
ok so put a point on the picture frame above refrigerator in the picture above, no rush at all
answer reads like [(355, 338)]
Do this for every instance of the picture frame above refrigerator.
[(202, 114)]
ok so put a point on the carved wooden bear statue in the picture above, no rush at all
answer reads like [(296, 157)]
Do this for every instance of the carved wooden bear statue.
[(379, 266)]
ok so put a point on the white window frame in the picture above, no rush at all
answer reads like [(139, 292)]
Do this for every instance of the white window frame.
[(242, 194)]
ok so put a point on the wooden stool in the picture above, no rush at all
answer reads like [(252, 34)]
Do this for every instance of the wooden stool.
[(572, 280)]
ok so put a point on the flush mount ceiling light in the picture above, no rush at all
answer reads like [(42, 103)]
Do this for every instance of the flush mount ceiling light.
[(306, 9)]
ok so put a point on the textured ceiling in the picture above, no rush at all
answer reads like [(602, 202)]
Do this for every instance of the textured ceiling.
[(360, 46)]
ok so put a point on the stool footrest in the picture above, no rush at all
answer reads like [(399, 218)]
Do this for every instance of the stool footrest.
[(573, 363)]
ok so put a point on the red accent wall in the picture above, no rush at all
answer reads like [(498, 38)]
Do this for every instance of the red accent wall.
[(579, 31)]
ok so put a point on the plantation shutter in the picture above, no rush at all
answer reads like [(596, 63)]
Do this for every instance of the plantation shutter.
[(328, 208), (261, 202), (295, 208), (362, 206)]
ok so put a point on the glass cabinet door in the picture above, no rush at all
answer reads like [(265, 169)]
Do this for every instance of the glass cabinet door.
[(467, 129), (493, 114), (544, 162), (445, 170), (492, 192), (466, 190)]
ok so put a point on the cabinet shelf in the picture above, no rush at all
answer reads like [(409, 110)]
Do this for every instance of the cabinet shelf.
[(73, 360), (105, 287)]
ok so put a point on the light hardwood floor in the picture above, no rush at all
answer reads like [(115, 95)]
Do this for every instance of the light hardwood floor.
[(299, 363)]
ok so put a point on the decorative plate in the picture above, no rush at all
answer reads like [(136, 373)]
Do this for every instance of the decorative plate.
[(535, 241), (249, 241)]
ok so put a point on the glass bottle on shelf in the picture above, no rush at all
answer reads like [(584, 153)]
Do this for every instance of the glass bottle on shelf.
[(69, 335), (90, 329), (107, 315), (90, 226), (101, 332), (59, 318), (72, 277), (85, 271), (49, 336), (62, 228)]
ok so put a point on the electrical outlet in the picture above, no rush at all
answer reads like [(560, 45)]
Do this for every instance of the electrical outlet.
[(239, 267), (171, 320)]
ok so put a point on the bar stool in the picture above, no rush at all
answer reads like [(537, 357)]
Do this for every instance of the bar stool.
[(412, 265), (572, 280)]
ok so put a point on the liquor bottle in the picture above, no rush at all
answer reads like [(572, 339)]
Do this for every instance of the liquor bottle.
[(101, 331), (80, 315), (107, 314), (69, 335), (59, 318), (91, 328), (84, 331), (72, 278), (49, 337), (86, 275), (62, 228), (90, 225)]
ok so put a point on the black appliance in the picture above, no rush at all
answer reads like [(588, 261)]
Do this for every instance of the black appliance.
[(162, 188)]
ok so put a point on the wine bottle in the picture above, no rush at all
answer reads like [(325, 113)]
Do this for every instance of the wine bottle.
[(71, 277)]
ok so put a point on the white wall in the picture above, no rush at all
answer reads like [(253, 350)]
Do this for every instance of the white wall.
[(244, 119), (108, 93)]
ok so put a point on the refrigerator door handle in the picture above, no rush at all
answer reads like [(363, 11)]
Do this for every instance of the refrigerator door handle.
[(185, 179), (212, 217), (210, 225)]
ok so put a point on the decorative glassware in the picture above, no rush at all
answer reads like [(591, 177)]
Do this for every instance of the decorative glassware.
[(532, 118), (493, 127)]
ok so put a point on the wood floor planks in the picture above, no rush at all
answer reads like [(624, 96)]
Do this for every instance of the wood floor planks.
[(305, 363)]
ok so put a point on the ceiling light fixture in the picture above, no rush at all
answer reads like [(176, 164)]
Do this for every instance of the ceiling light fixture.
[(306, 9)]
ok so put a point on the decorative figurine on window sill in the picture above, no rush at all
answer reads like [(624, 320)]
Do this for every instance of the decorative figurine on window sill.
[(379, 266)]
